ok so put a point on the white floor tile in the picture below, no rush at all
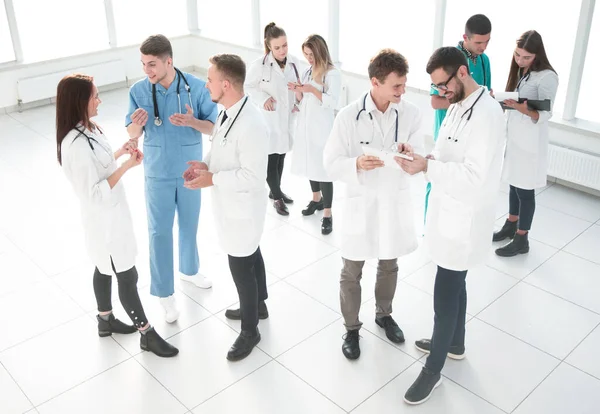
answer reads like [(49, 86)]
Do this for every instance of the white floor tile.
[(523, 264), (572, 278), (498, 368), (29, 312), (319, 361), (126, 388), (555, 228), (448, 398), (587, 245), (201, 369), (570, 201), (12, 399), (74, 350), (18, 272), (585, 356), (541, 319), (293, 317), (566, 390), (271, 389)]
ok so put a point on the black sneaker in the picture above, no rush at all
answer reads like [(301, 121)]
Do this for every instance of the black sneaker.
[(350, 347), (455, 352), (423, 387)]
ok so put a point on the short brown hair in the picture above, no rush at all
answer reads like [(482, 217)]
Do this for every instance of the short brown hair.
[(386, 62), (157, 45), (232, 67)]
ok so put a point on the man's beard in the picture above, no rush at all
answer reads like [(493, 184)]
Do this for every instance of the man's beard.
[(459, 93)]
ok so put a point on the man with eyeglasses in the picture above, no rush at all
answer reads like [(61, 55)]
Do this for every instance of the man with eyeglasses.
[(475, 40), (464, 169)]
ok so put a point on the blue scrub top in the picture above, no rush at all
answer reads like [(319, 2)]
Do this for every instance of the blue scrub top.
[(167, 148), (481, 73)]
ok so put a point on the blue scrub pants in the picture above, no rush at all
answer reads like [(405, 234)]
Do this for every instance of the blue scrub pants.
[(164, 196)]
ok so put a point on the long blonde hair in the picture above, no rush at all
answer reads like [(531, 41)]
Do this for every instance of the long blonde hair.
[(323, 61)]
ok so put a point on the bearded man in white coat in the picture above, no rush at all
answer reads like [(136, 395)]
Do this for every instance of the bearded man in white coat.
[(377, 216), (464, 170), (236, 169)]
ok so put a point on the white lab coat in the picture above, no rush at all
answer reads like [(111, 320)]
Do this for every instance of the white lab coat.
[(239, 166), (526, 159), (313, 125), (465, 179), (266, 80), (107, 223), (378, 211)]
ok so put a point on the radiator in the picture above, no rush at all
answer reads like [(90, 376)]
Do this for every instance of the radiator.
[(44, 86), (574, 166)]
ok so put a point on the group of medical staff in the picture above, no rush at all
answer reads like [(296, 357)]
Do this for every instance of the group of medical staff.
[(372, 145)]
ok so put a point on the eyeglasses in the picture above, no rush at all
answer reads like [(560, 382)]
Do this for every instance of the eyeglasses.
[(444, 86)]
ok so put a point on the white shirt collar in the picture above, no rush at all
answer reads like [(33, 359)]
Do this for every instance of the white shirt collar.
[(370, 105), (468, 101)]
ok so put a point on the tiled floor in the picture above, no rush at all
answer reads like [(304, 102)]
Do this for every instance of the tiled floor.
[(532, 338)]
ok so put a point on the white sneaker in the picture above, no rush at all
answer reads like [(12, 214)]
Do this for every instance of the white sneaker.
[(198, 279), (170, 307)]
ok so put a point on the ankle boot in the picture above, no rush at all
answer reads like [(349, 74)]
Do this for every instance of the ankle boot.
[(508, 231), (113, 325), (152, 342), (519, 245), (326, 225)]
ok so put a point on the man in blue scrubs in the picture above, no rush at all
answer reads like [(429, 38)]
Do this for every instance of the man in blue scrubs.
[(172, 109), (478, 30)]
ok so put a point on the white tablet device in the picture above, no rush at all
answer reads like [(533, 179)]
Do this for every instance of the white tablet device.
[(385, 156)]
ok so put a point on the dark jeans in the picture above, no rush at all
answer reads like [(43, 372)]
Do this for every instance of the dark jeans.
[(326, 190), (522, 203), (274, 173), (128, 294), (250, 279), (450, 306)]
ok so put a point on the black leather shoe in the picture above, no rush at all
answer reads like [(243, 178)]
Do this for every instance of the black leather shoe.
[(392, 330), (455, 351), (350, 347), (243, 345), (113, 325), (326, 225), (423, 387), (312, 207), (236, 315), (281, 208), (518, 245), (508, 231), (286, 199), (152, 342)]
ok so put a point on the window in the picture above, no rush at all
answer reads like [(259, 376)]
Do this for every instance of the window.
[(510, 19), (6, 49), (53, 29), (135, 20), (312, 18), (238, 29), (586, 105), (406, 26)]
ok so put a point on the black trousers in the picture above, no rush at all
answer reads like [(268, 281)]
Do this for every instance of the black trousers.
[(326, 190), (128, 294), (250, 279), (522, 203), (450, 307), (274, 173)]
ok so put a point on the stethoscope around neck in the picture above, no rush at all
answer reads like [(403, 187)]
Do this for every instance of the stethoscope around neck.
[(89, 141), (224, 139), (364, 109), (157, 120), (454, 136)]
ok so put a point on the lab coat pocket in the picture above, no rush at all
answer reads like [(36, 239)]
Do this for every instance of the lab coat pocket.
[(455, 219), (355, 221)]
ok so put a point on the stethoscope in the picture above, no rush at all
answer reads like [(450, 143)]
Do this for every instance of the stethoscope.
[(524, 78), (157, 120), (364, 109), (308, 77), (270, 69), (89, 141), (462, 117), (224, 139)]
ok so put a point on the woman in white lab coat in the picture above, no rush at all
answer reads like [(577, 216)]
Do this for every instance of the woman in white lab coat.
[(267, 84), (90, 166), (317, 96), (526, 159)]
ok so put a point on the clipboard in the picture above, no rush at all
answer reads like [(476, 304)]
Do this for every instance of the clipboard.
[(538, 105), (385, 156)]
